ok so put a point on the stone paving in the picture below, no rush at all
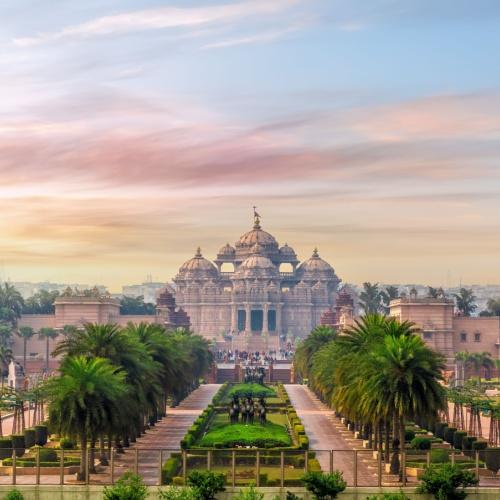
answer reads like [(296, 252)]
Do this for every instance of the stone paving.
[(326, 432)]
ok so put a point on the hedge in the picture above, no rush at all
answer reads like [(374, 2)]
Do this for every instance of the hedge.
[(492, 459), (18, 444), (479, 445), (29, 437), (421, 443), (5, 448), (448, 435), (170, 469), (440, 429), (457, 439), (409, 435), (41, 435)]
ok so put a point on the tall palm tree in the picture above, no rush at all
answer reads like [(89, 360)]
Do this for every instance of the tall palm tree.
[(480, 360), (47, 334), (318, 337), (461, 359), (81, 398), (11, 304), (390, 293), (25, 332), (370, 299), (403, 376), (465, 301)]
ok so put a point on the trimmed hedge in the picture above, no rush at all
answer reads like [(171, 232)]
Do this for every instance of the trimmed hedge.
[(449, 433), (29, 437), (457, 439), (421, 443), (18, 444), (67, 444), (5, 448), (41, 435), (409, 435), (479, 445), (492, 459), (440, 429)]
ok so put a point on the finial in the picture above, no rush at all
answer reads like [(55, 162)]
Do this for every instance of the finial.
[(256, 218), (198, 252), (315, 252)]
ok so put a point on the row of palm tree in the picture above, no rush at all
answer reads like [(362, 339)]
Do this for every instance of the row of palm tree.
[(378, 374), (477, 361), (113, 382)]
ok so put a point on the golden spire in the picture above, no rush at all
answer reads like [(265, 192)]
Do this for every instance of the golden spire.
[(315, 252), (198, 252), (256, 218)]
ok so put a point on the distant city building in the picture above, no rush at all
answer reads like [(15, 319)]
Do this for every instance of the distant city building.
[(150, 290)]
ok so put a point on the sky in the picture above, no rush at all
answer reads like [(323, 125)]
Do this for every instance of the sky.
[(133, 131)]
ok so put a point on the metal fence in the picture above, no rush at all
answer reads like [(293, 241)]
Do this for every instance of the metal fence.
[(264, 467)]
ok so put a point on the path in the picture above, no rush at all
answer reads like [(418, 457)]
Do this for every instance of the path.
[(326, 432), (165, 435)]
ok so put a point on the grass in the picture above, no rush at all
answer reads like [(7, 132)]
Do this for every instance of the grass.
[(251, 389), (271, 434)]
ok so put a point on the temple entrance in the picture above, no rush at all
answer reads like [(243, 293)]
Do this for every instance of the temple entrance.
[(242, 320), (271, 321), (256, 320)]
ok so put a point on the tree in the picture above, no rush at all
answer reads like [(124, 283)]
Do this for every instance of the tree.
[(25, 332), (79, 397), (390, 293), (41, 302), (461, 359), (136, 305), (47, 334), (370, 299), (5, 358), (480, 360), (492, 308), (465, 301), (11, 304), (432, 293)]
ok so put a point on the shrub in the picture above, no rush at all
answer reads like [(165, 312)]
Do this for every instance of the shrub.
[(458, 438), (389, 496), (170, 469), (5, 448), (128, 487), (46, 454), (324, 486), (67, 444), (206, 483), (441, 429), (304, 442), (29, 437), (492, 459), (421, 443), (18, 444), (249, 493), (440, 456), (446, 482), (479, 445), (409, 435), (448, 435), (291, 496), (175, 493), (14, 495), (41, 435)]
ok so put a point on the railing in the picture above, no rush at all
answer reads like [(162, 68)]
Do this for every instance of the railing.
[(263, 467)]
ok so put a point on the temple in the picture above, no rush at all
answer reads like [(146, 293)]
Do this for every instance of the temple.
[(255, 292)]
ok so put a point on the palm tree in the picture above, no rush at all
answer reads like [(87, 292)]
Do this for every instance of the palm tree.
[(432, 293), (47, 334), (81, 399), (5, 358), (481, 360), (461, 359), (390, 293), (318, 337), (5, 334), (11, 304), (465, 301), (403, 377), (25, 332), (370, 299)]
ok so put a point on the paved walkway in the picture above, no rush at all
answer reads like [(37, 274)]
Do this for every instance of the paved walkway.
[(165, 435), (326, 432)]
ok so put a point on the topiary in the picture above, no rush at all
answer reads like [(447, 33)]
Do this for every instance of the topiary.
[(18, 444), (421, 443), (41, 435), (448, 435), (440, 456), (457, 439), (5, 448), (492, 459), (45, 454), (324, 486), (29, 437), (67, 444), (409, 435)]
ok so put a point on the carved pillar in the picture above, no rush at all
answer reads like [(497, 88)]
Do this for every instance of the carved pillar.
[(278, 319), (248, 323), (265, 325), (234, 319)]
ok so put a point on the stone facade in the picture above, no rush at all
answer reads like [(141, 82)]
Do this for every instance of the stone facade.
[(246, 293), (445, 331)]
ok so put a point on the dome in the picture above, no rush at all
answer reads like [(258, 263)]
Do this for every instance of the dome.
[(288, 252), (316, 268), (226, 251), (257, 264), (257, 235), (197, 267)]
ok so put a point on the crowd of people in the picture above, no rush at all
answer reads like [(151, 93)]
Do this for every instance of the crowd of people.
[(229, 356)]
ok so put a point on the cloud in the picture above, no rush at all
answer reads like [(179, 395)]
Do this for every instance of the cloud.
[(162, 18)]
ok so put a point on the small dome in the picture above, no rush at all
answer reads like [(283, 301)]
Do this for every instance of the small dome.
[(227, 250), (316, 268), (198, 266), (287, 251), (257, 264)]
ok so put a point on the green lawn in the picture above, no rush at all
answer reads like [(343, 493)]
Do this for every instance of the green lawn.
[(252, 389), (222, 434)]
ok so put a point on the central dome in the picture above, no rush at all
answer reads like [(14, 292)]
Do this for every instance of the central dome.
[(257, 235)]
